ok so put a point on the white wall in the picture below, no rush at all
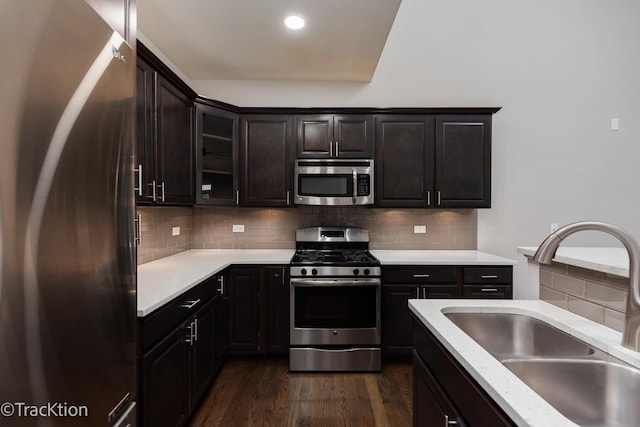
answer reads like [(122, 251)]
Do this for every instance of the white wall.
[(559, 70)]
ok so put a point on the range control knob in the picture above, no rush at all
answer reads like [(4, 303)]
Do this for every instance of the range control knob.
[(314, 271), (356, 271), (303, 271), (366, 271)]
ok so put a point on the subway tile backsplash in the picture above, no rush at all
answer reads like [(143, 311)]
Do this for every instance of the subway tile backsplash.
[(597, 296), (264, 228)]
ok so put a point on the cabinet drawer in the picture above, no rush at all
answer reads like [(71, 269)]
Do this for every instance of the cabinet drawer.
[(488, 275), (158, 324), (487, 291), (419, 274)]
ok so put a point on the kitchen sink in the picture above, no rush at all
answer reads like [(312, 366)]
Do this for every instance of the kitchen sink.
[(586, 385), (588, 392), (509, 336)]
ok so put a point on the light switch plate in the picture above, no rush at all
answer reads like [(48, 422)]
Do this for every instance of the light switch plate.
[(175, 231), (419, 229), (238, 228)]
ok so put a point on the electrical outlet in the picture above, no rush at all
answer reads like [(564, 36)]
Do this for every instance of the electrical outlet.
[(175, 231), (238, 228), (615, 124), (419, 229), (553, 227)]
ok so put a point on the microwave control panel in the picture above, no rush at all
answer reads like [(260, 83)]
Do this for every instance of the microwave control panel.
[(364, 185)]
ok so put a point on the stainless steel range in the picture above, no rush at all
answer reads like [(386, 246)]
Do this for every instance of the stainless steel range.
[(335, 301)]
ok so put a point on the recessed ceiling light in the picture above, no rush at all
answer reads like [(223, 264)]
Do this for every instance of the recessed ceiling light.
[(294, 22)]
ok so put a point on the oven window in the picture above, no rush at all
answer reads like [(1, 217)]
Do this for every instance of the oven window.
[(325, 185), (336, 307)]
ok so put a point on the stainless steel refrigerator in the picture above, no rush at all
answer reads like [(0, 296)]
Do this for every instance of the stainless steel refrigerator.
[(67, 254)]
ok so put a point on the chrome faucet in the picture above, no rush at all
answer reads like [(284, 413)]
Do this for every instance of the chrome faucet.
[(547, 249)]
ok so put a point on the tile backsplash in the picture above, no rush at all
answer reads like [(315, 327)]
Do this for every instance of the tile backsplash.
[(264, 228), (597, 296), (157, 223)]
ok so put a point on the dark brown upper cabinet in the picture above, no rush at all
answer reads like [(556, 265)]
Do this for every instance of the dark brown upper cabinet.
[(404, 160), (463, 161), (334, 136), (164, 156), (216, 156), (266, 150), (441, 161)]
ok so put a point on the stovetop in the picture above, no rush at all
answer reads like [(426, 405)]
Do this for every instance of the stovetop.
[(354, 257)]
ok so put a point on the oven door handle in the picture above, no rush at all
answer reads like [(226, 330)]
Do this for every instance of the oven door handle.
[(341, 282)]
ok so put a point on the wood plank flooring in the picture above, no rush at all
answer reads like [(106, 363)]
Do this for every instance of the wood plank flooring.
[(262, 392)]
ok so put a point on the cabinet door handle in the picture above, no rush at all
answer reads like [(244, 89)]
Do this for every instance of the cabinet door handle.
[(190, 304), (153, 190), (195, 328), (237, 197), (162, 188), (417, 293), (189, 338), (489, 277), (221, 288), (330, 148), (284, 271), (288, 198), (488, 290), (424, 293), (428, 197), (139, 188), (337, 149), (439, 203), (138, 222), (421, 276)]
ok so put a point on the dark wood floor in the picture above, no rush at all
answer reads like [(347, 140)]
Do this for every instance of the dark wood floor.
[(262, 392)]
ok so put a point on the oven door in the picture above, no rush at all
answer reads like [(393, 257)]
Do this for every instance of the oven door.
[(335, 312)]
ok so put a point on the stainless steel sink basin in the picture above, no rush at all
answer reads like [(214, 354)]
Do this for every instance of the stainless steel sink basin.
[(508, 336), (588, 392)]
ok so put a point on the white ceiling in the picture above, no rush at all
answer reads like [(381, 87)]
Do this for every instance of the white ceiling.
[(246, 39)]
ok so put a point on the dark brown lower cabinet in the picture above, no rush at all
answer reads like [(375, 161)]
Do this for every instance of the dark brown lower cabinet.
[(258, 302), (165, 381), (244, 310), (202, 353), (277, 309), (178, 356), (431, 405), (396, 316), (402, 283), (444, 391)]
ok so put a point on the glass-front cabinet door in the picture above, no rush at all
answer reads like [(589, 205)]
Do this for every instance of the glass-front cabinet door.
[(216, 156)]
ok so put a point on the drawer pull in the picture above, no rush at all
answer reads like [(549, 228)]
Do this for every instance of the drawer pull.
[(489, 290), (419, 276), (489, 277), (190, 304)]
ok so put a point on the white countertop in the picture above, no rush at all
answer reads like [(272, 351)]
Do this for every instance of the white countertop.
[(163, 280), (517, 400), (436, 257), (606, 260)]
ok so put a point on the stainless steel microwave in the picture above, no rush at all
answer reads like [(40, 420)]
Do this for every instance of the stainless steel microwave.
[(334, 182)]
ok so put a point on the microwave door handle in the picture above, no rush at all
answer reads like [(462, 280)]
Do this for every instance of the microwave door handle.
[(355, 186)]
